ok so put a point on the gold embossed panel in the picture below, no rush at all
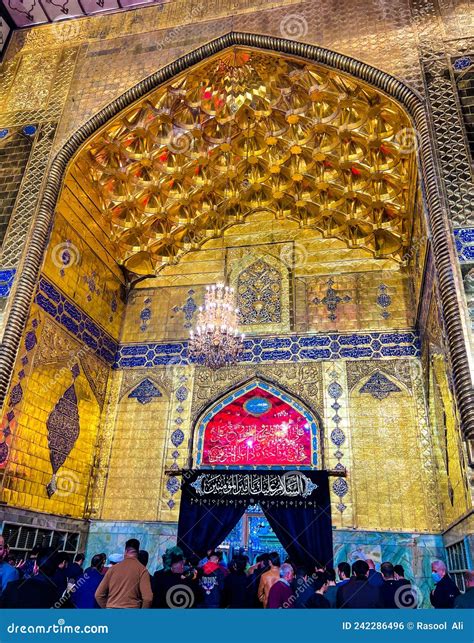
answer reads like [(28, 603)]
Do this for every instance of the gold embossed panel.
[(247, 131)]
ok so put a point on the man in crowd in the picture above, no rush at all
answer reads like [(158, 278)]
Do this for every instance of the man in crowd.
[(445, 591), (389, 591), (320, 585), (254, 575), (7, 572), (304, 588), (75, 571), (83, 595), (126, 584), (358, 592), (269, 578), (375, 577), (280, 593), (330, 593), (211, 582), (466, 600), (164, 581), (344, 573), (36, 592)]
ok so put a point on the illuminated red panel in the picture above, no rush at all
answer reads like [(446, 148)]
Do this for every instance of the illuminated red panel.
[(257, 428)]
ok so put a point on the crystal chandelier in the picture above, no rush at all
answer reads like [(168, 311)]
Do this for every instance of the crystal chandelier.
[(216, 341)]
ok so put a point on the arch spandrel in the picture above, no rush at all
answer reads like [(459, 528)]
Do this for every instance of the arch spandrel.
[(250, 130)]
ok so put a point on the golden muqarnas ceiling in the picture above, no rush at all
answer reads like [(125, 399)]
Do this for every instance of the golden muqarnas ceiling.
[(247, 131)]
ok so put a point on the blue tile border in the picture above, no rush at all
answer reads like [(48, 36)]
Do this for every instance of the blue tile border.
[(66, 313), (257, 350), (260, 350), (464, 240), (7, 277)]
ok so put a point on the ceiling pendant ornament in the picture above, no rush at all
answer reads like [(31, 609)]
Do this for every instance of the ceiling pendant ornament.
[(244, 131), (216, 340)]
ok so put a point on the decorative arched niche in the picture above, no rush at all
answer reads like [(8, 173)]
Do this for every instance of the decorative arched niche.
[(262, 286), (258, 425)]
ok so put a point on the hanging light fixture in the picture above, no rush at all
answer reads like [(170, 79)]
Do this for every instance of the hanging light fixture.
[(216, 340)]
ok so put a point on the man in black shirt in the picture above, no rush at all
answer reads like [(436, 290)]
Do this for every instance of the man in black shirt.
[(445, 591), (358, 593), (36, 592)]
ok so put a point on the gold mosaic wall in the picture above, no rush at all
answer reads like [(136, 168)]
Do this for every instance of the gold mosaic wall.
[(60, 75), (47, 366)]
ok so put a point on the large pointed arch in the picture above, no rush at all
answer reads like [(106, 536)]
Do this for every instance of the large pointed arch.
[(443, 250), (273, 407)]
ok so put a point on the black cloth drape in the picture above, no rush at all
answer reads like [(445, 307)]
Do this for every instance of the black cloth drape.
[(304, 532), (203, 527), (296, 504)]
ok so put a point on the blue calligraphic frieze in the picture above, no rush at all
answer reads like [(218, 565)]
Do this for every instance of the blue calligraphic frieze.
[(299, 347), (7, 278), (464, 239), (257, 350)]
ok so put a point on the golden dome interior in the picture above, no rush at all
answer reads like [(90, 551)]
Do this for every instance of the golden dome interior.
[(247, 131)]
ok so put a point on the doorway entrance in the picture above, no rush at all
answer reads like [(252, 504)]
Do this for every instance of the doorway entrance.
[(254, 535)]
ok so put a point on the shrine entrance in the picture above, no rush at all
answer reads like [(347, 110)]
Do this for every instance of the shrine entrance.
[(258, 483), (254, 535)]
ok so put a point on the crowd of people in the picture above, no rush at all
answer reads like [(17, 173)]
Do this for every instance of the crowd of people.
[(48, 579)]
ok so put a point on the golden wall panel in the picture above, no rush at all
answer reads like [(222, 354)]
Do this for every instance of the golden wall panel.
[(454, 495), (73, 266), (389, 468), (29, 468), (136, 466)]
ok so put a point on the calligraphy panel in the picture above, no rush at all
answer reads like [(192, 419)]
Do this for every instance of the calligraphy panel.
[(257, 427)]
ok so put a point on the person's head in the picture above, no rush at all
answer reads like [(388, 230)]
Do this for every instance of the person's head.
[(319, 567), (238, 565), (45, 563), (62, 560), (286, 572), (344, 571), (469, 579), (301, 575), (330, 575), (132, 547), (360, 569), (320, 582), (177, 563), (143, 557), (438, 570), (79, 559), (3, 549), (214, 557), (11, 560), (386, 569), (115, 558), (274, 559), (398, 572), (98, 562), (370, 563)]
